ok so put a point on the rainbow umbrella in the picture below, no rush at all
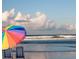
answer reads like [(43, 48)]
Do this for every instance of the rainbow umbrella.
[(12, 35)]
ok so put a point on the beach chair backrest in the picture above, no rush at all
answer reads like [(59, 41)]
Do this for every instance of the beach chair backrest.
[(7, 54), (19, 52)]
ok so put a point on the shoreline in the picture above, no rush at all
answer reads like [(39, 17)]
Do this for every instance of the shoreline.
[(49, 37)]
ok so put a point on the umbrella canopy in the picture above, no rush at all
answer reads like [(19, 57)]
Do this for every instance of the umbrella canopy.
[(12, 35)]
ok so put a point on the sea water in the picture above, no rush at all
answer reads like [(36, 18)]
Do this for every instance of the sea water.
[(51, 49)]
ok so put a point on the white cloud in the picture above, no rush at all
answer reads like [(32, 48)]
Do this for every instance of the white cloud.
[(50, 24), (38, 21), (38, 14), (41, 21), (70, 26), (11, 12), (28, 16), (5, 15), (18, 16)]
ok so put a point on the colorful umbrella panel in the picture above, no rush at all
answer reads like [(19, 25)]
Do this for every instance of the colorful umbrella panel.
[(12, 35)]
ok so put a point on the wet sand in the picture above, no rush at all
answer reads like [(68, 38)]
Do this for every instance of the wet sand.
[(48, 55)]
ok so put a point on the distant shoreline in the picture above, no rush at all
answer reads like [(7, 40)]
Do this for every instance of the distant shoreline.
[(52, 37), (44, 38)]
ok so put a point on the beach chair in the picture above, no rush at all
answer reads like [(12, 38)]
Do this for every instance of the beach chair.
[(7, 54), (19, 53)]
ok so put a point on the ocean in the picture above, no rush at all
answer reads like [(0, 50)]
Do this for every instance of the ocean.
[(50, 49)]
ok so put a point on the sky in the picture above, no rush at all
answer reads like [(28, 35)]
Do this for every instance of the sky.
[(48, 14), (61, 11)]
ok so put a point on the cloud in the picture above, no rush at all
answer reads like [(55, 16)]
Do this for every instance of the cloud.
[(39, 22), (18, 16), (11, 12), (50, 24), (70, 26), (7, 14)]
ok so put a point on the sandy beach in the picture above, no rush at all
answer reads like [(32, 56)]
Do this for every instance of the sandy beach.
[(48, 55)]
